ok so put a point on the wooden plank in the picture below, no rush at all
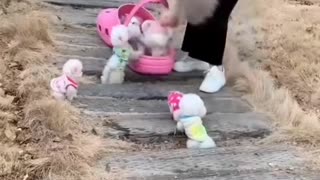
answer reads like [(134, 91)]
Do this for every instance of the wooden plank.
[(243, 161), (84, 39), (79, 17), (147, 90), (93, 67), (84, 51), (72, 30), (174, 76), (255, 175), (74, 17), (92, 39), (90, 46), (98, 4), (91, 3), (220, 126), (84, 14), (112, 106), (235, 175)]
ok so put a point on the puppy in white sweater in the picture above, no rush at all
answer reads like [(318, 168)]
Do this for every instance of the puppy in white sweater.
[(188, 110)]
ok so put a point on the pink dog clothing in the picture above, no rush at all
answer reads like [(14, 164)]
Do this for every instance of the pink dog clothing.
[(61, 84), (173, 102)]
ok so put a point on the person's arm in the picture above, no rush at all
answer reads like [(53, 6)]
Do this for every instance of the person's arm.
[(174, 15), (194, 11), (175, 6)]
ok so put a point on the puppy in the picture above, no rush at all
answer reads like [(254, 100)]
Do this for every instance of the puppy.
[(134, 28), (113, 72), (135, 35), (188, 110), (156, 37), (66, 86)]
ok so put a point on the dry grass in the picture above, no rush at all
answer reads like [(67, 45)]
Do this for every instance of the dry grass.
[(278, 69), (40, 137), (8, 159), (43, 139)]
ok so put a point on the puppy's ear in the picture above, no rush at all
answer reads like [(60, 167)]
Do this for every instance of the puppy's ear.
[(66, 68), (146, 25)]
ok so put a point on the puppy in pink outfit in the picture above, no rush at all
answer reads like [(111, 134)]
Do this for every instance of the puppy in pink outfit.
[(66, 85)]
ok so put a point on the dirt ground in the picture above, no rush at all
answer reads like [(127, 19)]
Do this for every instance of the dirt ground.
[(278, 72)]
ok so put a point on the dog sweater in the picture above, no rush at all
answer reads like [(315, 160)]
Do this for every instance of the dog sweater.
[(195, 131), (61, 84), (123, 55)]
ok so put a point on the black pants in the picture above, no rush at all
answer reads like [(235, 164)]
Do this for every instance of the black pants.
[(206, 41)]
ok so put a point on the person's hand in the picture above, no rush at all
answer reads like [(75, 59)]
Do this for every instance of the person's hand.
[(169, 18)]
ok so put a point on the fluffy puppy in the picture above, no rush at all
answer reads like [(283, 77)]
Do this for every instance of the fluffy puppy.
[(156, 37), (66, 85)]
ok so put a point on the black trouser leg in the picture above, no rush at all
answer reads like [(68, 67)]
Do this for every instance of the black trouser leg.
[(207, 41)]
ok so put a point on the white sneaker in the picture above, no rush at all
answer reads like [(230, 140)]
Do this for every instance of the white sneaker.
[(188, 64), (214, 80)]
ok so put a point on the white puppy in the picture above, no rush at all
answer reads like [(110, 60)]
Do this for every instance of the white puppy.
[(134, 28), (113, 72), (156, 38), (188, 110), (66, 86), (135, 36)]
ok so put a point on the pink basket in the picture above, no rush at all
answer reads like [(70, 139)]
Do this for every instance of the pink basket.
[(108, 18)]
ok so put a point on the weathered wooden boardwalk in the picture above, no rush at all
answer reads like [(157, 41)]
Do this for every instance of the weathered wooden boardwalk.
[(137, 111)]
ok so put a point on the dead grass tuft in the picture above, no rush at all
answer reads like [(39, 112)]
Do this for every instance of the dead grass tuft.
[(70, 158), (6, 117), (6, 103), (260, 90), (34, 82), (52, 114), (40, 137), (8, 159), (279, 67)]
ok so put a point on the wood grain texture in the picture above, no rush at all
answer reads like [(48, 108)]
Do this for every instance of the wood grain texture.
[(90, 3), (220, 126), (94, 66), (246, 162), (148, 90), (113, 105)]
